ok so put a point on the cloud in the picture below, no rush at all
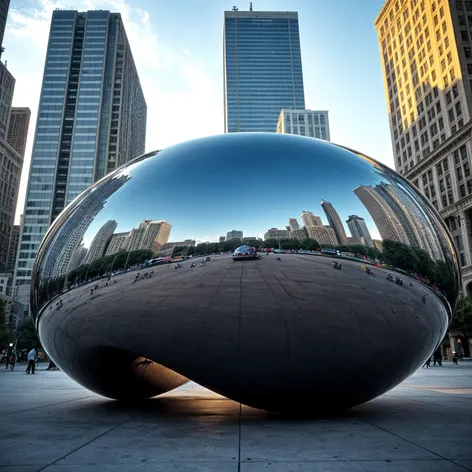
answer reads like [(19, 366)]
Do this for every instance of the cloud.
[(179, 92)]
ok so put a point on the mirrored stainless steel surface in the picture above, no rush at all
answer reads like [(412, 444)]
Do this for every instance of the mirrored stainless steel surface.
[(135, 289)]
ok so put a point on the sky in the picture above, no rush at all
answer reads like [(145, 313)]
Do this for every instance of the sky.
[(178, 50)]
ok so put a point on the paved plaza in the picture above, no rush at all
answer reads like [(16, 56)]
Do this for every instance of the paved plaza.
[(50, 423)]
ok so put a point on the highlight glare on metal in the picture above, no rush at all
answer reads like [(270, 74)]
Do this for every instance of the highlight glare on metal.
[(281, 332)]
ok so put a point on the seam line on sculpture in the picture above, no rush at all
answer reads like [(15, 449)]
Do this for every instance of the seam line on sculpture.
[(289, 349), (85, 444), (407, 440)]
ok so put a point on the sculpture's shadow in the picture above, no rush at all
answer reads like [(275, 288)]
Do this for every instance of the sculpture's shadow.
[(189, 407)]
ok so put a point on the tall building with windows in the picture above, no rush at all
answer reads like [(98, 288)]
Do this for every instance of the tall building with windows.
[(426, 55), (7, 86), (100, 242), (314, 124), (359, 230), (334, 221), (91, 119), (11, 163), (309, 219), (322, 234), (18, 129), (383, 215), (4, 4), (234, 234), (262, 68)]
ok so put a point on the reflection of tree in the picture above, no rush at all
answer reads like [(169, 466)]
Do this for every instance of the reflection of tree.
[(462, 319), (107, 264), (418, 261)]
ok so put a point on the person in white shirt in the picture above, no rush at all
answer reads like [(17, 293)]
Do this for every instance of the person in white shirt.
[(32, 355)]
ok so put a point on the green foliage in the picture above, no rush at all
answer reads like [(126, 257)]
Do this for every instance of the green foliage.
[(462, 319), (5, 329), (309, 244), (27, 337), (439, 273)]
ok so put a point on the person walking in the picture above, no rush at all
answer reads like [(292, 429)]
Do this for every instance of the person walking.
[(437, 357), (427, 364), (32, 355)]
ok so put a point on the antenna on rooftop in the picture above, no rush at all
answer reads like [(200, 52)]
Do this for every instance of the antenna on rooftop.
[(250, 6)]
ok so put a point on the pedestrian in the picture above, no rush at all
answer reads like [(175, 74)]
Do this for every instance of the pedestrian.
[(455, 358), (136, 278), (12, 361), (427, 364), (51, 365), (437, 357), (32, 355)]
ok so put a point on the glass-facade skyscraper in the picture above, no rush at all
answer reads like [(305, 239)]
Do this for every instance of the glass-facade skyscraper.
[(91, 119), (262, 69)]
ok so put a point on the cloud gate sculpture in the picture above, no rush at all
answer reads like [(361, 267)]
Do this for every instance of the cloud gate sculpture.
[(135, 290)]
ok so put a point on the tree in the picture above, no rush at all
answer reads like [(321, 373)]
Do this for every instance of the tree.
[(269, 243), (343, 248), (5, 330), (26, 335), (462, 319), (400, 255)]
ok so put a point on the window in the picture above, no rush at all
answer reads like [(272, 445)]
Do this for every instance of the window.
[(455, 91), (451, 115), (458, 109)]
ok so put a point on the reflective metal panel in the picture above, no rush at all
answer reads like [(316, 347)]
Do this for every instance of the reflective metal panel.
[(135, 289)]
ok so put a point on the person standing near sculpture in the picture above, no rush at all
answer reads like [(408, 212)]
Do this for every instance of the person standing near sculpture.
[(32, 355), (437, 357)]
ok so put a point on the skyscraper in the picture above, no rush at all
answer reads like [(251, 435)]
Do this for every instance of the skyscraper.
[(18, 129), (100, 242), (314, 124), (149, 235), (293, 224), (383, 215), (309, 219), (11, 163), (425, 49), (13, 248), (4, 4), (262, 69), (234, 234), (359, 230), (334, 221), (7, 86), (91, 119)]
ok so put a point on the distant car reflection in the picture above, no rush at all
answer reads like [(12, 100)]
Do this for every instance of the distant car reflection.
[(245, 252)]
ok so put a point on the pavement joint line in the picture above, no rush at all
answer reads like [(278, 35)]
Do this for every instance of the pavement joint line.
[(86, 444), (458, 407), (240, 430), (259, 461), (6, 413), (405, 439)]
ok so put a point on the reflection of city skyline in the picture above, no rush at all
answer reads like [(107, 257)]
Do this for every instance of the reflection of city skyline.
[(67, 242), (391, 210)]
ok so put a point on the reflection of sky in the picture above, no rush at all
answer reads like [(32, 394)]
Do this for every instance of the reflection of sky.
[(205, 188)]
